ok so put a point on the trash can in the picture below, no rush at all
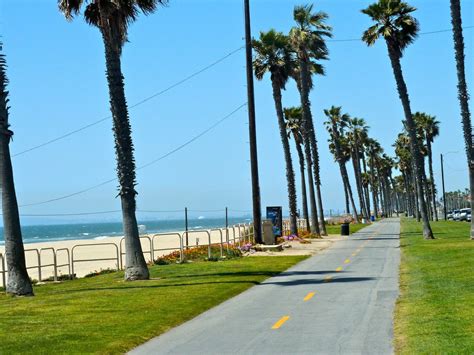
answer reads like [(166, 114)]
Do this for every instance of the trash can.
[(372, 218), (345, 229)]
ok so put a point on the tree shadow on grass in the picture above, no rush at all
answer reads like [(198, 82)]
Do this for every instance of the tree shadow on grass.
[(143, 286), (256, 273)]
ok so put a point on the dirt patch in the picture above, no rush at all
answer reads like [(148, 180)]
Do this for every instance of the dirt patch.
[(309, 247)]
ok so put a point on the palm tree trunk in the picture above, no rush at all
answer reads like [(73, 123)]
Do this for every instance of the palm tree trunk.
[(346, 195), (303, 185), (417, 198), (18, 281), (310, 132), (290, 174), (411, 128), (312, 196), (366, 186), (345, 178), (433, 185), (463, 96), (372, 185), (408, 206), (357, 175), (135, 264)]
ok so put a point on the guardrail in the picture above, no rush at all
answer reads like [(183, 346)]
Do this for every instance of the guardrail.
[(149, 251), (205, 231), (3, 271), (163, 249), (240, 233), (117, 258), (68, 260), (220, 244), (54, 264), (39, 262)]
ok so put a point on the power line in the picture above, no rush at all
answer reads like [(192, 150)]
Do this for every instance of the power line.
[(80, 129), (421, 34), (142, 166), (189, 77), (112, 211)]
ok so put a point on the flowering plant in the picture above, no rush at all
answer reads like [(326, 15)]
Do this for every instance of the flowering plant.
[(246, 247)]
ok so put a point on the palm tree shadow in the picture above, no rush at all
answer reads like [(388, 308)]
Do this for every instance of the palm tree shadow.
[(143, 284)]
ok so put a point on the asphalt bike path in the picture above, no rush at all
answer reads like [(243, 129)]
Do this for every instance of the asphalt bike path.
[(340, 301)]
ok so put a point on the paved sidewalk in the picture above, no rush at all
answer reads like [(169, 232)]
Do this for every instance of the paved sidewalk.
[(338, 302)]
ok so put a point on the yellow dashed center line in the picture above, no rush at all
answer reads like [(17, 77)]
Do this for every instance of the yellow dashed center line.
[(280, 322), (347, 261), (354, 254), (339, 269), (309, 296), (327, 278)]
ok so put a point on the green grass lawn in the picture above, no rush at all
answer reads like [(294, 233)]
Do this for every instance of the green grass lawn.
[(336, 229), (435, 312), (104, 314)]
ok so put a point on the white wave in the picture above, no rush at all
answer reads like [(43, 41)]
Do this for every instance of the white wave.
[(197, 227), (85, 233), (102, 237), (201, 217)]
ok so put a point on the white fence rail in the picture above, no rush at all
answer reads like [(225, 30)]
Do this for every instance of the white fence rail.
[(69, 257)]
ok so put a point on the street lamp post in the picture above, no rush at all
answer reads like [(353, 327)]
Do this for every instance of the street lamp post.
[(257, 218)]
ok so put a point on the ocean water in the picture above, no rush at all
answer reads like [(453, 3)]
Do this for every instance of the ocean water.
[(98, 231)]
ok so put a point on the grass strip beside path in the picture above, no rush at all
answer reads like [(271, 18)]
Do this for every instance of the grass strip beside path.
[(104, 314), (435, 311), (336, 228)]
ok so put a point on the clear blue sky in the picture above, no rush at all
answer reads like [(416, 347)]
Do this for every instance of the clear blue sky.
[(56, 70)]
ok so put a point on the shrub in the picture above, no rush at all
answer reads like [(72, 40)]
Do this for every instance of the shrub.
[(101, 272), (200, 253)]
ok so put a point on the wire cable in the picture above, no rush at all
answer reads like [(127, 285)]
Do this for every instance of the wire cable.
[(80, 129), (142, 166), (182, 81), (420, 34)]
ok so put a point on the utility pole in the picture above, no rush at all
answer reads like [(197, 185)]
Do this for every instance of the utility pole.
[(444, 193), (257, 217)]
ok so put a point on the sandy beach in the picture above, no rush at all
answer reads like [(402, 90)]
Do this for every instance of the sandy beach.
[(110, 248)]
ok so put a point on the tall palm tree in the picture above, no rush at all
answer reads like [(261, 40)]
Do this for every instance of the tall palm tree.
[(112, 18), (373, 149), (273, 55), (356, 129), (394, 22), (335, 127), (18, 281), (308, 41), (430, 130), (294, 119), (404, 164), (463, 96)]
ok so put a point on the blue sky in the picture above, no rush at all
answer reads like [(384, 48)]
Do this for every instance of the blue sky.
[(57, 84)]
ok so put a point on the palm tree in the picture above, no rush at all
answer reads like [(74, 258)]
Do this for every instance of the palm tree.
[(18, 281), (404, 164), (273, 55), (356, 129), (463, 96), (373, 149), (335, 127), (430, 130), (112, 18), (308, 41), (393, 21), (294, 118)]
